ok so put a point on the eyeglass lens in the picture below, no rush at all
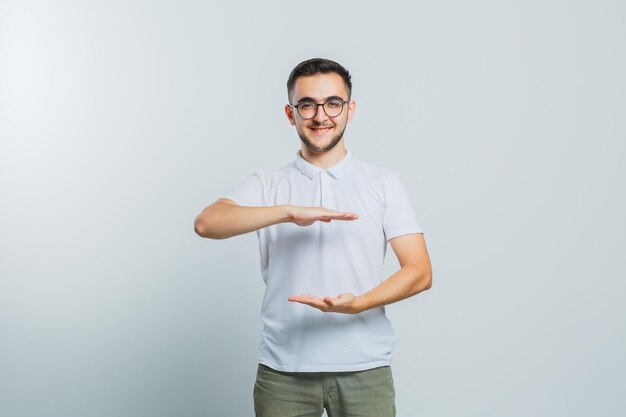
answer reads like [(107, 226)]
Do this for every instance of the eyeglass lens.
[(332, 108)]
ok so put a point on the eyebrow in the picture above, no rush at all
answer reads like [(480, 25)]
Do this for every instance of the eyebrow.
[(303, 99)]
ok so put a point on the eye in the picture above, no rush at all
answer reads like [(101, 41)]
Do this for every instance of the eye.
[(306, 106), (334, 104)]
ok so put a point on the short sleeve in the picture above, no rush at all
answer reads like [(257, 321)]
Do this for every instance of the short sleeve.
[(399, 216), (249, 192)]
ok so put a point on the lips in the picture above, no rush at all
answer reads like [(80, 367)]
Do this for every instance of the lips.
[(320, 129)]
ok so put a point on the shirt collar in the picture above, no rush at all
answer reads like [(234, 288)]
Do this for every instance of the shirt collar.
[(311, 170)]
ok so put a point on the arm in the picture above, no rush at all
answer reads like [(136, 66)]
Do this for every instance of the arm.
[(414, 276), (225, 218)]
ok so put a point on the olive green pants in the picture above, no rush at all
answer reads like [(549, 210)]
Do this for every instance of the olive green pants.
[(307, 394)]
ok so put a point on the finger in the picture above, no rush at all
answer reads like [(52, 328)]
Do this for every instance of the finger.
[(345, 214), (350, 216), (320, 306), (307, 299), (340, 216), (314, 304), (304, 297)]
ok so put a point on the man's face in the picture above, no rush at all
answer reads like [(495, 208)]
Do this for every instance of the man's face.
[(321, 133)]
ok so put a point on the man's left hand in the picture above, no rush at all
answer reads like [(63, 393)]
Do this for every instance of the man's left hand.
[(343, 303)]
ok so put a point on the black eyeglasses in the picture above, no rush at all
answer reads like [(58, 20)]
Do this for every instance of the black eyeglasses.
[(332, 107)]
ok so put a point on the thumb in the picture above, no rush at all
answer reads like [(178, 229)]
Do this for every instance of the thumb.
[(329, 300)]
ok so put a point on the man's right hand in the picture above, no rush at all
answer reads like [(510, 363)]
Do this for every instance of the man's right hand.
[(306, 216), (225, 218)]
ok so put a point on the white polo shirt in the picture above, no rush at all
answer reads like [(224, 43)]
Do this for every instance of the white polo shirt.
[(326, 259)]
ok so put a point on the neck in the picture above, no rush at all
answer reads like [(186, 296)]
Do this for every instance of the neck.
[(324, 159)]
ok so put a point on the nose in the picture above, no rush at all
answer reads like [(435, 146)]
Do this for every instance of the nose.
[(320, 116)]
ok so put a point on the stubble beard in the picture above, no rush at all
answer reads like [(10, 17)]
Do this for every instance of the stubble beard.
[(316, 149)]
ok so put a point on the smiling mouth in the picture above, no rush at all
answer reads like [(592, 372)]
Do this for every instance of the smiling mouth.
[(320, 129)]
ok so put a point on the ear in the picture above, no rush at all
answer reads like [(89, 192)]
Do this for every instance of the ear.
[(351, 110), (289, 113)]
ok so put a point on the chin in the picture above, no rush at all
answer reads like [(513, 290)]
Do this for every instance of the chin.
[(311, 146), (319, 149)]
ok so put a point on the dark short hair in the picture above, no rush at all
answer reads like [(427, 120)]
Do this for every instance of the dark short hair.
[(315, 66)]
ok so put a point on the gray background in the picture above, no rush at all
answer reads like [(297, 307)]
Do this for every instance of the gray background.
[(120, 121)]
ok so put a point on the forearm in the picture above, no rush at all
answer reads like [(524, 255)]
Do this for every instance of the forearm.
[(221, 220), (405, 283)]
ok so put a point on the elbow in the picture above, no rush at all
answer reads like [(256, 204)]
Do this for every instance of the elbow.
[(200, 228), (425, 277), (210, 222), (428, 282), (423, 281), (203, 229)]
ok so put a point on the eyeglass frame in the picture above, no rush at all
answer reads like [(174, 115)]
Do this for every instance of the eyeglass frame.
[(343, 104)]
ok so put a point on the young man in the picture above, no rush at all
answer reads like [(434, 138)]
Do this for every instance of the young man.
[(323, 224)]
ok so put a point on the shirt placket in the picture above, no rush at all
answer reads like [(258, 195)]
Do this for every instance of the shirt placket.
[(326, 191)]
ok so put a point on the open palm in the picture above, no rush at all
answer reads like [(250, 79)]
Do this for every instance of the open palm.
[(343, 303), (306, 216)]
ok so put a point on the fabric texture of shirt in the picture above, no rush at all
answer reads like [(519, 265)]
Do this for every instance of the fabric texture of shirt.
[(326, 259)]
